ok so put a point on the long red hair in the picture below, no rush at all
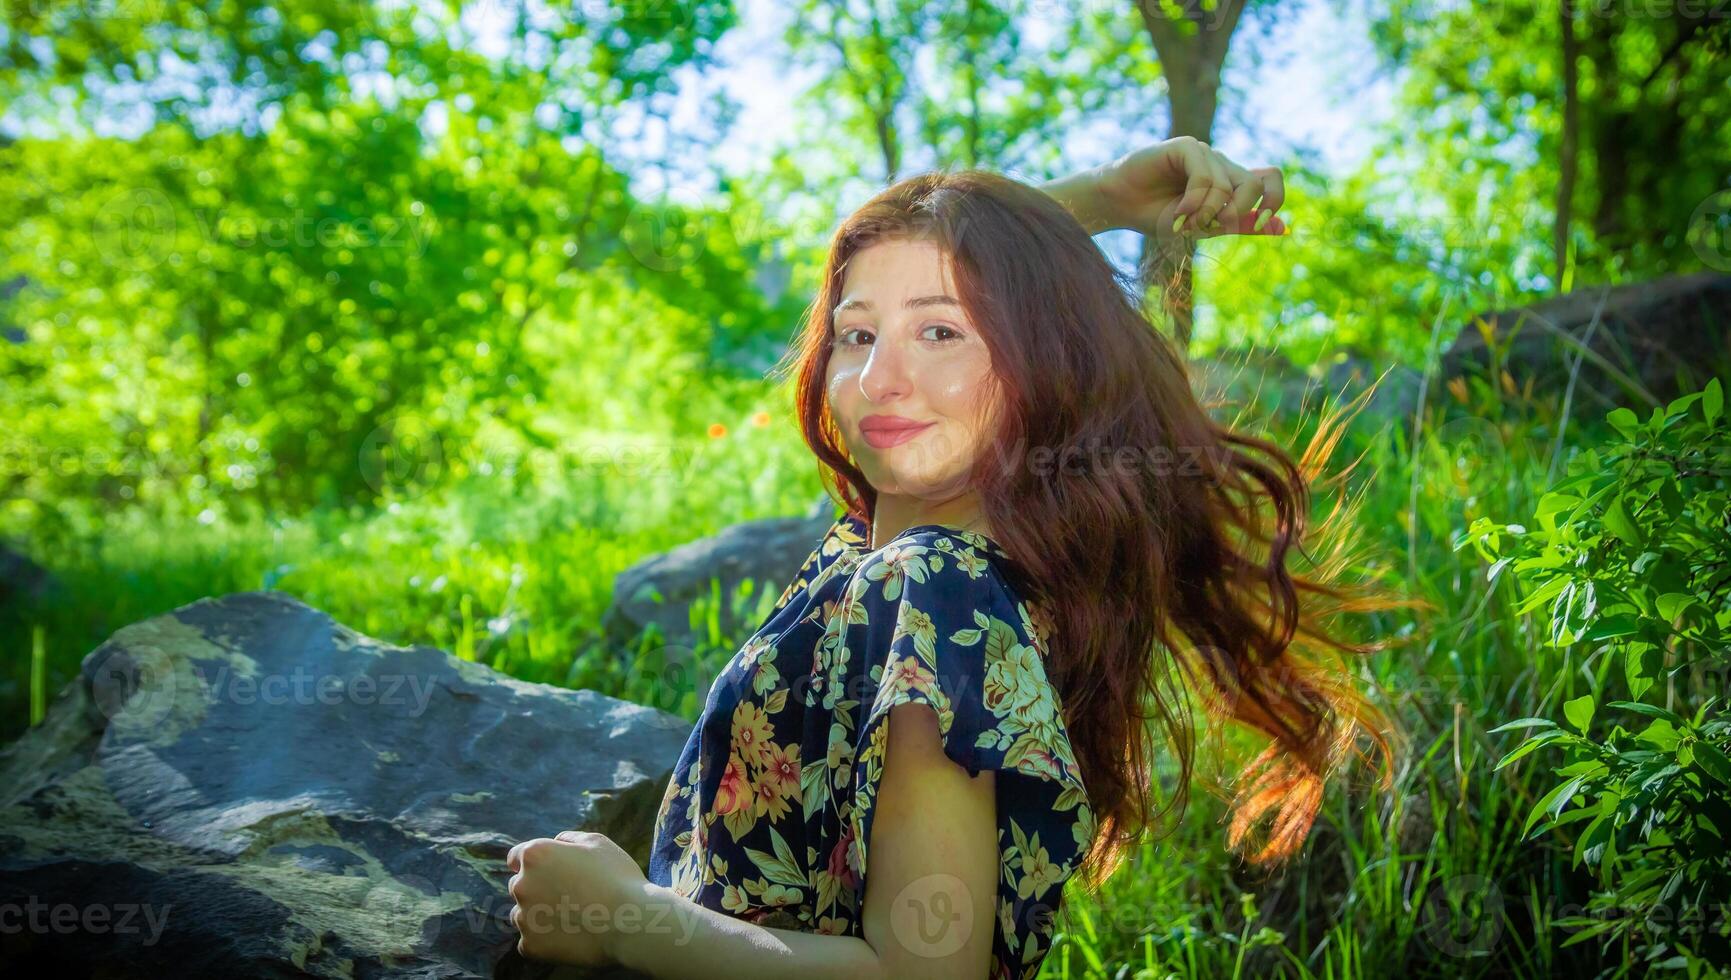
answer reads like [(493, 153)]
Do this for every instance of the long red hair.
[(1146, 577)]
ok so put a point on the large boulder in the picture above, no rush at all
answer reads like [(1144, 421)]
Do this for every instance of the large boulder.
[(1644, 342), (244, 787), (661, 590), (1665, 336)]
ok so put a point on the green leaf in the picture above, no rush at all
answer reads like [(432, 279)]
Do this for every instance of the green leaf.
[(1680, 404), (1579, 711), (1541, 595), (1713, 762), (1712, 401), (1650, 710), (1661, 734), (1618, 522), (1672, 603), (1624, 421), (1523, 723), (1557, 798), (1609, 627), (1531, 744)]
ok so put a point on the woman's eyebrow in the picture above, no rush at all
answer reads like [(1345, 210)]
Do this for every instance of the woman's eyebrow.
[(865, 305)]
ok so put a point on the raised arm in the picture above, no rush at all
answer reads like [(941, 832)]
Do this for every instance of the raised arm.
[(1080, 193), (1178, 188)]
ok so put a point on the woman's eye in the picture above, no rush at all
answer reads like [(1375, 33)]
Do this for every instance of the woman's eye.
[(944, 333), (946, 328)]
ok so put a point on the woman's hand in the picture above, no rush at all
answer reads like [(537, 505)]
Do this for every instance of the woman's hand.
[(1184, 188), (574, 894)]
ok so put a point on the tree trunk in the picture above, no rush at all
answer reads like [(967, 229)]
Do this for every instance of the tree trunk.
[(1190, 58)]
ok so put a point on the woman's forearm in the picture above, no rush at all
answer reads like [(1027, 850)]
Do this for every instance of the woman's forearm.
[(677, 938), (1080, 194)]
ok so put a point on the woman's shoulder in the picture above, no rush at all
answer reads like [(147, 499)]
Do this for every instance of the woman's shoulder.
[(957, 564)]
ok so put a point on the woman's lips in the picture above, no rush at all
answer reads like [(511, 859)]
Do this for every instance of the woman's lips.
[(884, 438)]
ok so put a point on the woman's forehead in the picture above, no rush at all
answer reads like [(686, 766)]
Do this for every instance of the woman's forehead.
[(892, 266)]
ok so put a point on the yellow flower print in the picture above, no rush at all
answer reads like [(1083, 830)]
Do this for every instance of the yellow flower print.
[(971, 561), (772, 797), (748, 653), (897, 563), (783, 768), (751, 733), (735, 792), (1038, 871), (907, 674), (776, 895), (734, 899), (1016, 686)]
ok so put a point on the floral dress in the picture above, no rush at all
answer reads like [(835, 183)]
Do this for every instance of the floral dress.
[(769, 810)]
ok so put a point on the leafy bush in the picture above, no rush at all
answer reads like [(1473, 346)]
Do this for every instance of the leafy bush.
[(1630, 567)]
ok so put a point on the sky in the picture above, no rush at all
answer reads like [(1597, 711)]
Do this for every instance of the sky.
[(1316, 88)]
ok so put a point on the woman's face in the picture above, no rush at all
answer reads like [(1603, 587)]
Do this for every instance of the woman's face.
[(903, 351)]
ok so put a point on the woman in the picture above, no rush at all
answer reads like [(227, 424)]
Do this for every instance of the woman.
[(940, 722)]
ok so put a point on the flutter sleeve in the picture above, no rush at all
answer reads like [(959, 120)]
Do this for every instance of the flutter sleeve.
[(938, 625)]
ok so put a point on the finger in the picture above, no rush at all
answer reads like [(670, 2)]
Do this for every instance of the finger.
[(1214, 195), (512, 885), (516, 913), (569, 836), (1225, 213), (1273, 197), (1245, 193), (1197, 186), (514, 858)]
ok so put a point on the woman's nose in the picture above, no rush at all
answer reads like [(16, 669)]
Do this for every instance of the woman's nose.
[(885, 373)]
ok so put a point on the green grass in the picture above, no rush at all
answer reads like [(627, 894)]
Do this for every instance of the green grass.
[(1431, 880)]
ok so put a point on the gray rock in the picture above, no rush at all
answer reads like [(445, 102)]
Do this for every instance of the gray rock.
[(244, 787), (661, 590), (1668, 336), (1665, 337)]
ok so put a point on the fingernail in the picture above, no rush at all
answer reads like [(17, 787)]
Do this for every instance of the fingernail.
[(1261, 219), (1180, 221), (1258, 202)]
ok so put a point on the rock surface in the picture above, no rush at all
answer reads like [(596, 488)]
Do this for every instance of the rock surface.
[(1651, 340), (1649, 335), (246, 788), (661, 589)]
